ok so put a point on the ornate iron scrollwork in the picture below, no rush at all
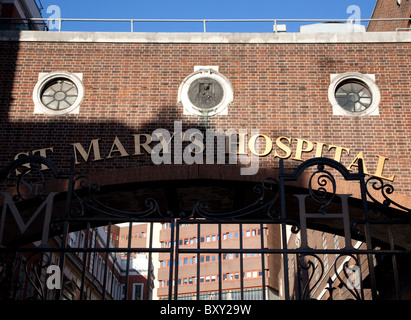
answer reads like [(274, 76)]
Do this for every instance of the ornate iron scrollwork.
[(311, 268), (91, 202), (30, 174), (385, 190), (30, 183), (30, 177), (320, 194), (353, 281), (352, 274), (32, 285), (36, 264), (267, 191)]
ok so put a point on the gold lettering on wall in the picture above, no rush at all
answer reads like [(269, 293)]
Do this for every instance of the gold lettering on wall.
[(380, 169), (117, 147), (338, 152), (138, 143), (354, 163), (268, 145), (300, 148), (283, 149), (319, 149), (94, 146)]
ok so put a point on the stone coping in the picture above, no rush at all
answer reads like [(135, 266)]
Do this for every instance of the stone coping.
[(218, 38)]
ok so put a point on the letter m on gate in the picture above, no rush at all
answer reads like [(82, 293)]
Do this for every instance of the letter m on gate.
[(8, 203)]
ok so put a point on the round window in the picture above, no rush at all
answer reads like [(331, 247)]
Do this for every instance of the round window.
[(58, 93), (353, 96), (206, 92)]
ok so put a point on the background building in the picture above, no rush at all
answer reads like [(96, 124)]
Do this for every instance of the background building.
[(400, 9), (85, 276), (20, 10), (142, 262), (251, 270)]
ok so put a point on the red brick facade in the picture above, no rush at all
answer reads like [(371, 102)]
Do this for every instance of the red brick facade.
[(279, 88), (282, 85), (390, 9)]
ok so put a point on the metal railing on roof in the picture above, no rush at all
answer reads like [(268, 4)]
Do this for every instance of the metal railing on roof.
[(59, 21)]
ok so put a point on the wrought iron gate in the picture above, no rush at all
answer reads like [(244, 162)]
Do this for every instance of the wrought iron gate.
[(284, 244)]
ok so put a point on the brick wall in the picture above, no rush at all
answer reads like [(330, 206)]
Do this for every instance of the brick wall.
[(281, 89), (390, 9)]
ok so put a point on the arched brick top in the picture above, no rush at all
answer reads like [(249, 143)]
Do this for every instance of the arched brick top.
[(218, 172)]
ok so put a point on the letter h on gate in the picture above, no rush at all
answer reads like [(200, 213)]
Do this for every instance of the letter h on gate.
[(343, 215)]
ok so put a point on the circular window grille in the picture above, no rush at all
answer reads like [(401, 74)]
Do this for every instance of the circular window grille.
[(353, 96), (59, 94)]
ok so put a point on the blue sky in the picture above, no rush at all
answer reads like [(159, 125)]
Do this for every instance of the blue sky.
[(201, 9)]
